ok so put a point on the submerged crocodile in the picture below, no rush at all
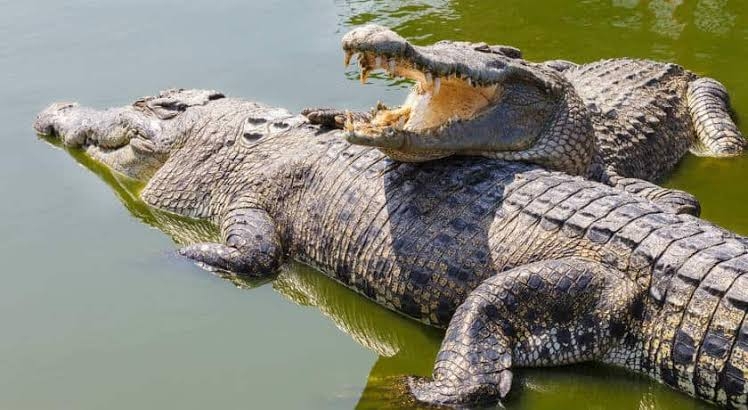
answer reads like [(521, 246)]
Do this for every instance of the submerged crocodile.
[(617, 121), (521, 265)]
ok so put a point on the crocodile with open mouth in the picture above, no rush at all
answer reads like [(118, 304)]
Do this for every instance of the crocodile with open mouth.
[(621, 121), (523, 266)]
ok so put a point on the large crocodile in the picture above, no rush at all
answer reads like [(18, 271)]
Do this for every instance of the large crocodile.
[(522, 266), (619, 121)]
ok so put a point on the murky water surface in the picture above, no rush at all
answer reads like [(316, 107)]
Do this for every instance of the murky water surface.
[(97, 312)]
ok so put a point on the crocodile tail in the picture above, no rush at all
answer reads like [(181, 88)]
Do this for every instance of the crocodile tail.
[(700, 345), (717, 134)]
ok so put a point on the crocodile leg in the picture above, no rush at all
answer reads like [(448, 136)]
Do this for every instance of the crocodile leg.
[(672, 200), (708, 103), (542, 314), (251, 244)]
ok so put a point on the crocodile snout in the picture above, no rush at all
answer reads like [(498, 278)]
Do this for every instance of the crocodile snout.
[(50, 121)]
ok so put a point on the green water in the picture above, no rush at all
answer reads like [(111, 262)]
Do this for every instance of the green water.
[(97, 312)]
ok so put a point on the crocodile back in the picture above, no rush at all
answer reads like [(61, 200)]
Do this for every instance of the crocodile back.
[(639, 113)]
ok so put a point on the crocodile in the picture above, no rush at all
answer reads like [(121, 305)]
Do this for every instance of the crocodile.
[(619, 121), (522, 266)]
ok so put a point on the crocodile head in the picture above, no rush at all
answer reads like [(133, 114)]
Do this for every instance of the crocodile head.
[(182, 146), (469, 98), (134, 140)]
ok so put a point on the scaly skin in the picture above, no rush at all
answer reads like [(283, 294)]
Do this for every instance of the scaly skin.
[(620, 121), (522, 266)]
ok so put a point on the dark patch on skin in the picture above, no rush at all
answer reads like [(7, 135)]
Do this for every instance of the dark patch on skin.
[(491, 312), (610, 259), (583, 281), (549, 224), (586, 339), (531, 317), (445, 309), (563, 285), (479, 209), (510, 302), (742, 341), (563, 335), (590, 322), (457, 272), (408, 212), (368, 290), (683, 349), (668, 377), (732, 380), (398, 245), (637, 308), (538, 329), (443, 240), (420, 276), (562, 315), (535, 282), (715, 345), (599, 235), (459, 224), (573, 230), (617, 328), (475, 328), (544, 354), (409, 306), (508, 329), (453, 201), (341, 273), (480, 256), (472, 228)]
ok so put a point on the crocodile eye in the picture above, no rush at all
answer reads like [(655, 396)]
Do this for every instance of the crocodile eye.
[(256, 120)]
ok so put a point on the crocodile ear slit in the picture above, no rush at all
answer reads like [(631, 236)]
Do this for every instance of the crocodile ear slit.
[(531, 75)]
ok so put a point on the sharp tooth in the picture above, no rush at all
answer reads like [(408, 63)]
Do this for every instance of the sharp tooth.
[(393, 64), (429, 78), (347, 59), (379, 107), (378, 62), (348, 121), (401, 123), (470, 81), (437, 85), (364, 74)]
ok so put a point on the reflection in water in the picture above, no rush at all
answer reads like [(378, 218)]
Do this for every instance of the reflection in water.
[(376, 329), (182, 230), (665, 21), (578, 31), (404, 346), (402, 16), (710, 16)]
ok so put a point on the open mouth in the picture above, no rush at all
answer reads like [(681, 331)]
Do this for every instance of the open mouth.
[(453, 81)]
